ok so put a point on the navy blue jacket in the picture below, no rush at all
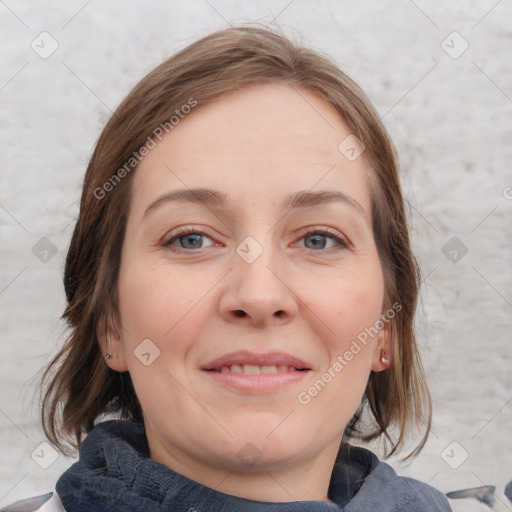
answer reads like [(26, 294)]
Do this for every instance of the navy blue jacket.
[(115, 473)]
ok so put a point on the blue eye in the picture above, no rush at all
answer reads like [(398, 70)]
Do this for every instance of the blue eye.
[(188, 240), (320, 239), (193, 241), (317, 241)]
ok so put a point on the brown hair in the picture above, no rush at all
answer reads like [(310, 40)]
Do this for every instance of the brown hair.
[(79, 385)]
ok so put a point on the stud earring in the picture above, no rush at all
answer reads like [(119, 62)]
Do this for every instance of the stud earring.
[(383, 359), (108, 356)]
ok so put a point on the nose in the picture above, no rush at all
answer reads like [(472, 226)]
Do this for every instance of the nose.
[(258, 294)]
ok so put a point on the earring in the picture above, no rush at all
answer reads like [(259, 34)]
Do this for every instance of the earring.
[(108, 356), (383, 359)]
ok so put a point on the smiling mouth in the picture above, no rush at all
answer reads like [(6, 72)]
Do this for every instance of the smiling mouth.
[(255, 373), (253, 369), (251, 363)]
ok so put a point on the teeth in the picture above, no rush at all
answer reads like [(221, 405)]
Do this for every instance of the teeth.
[(251, 369), (254, 369)]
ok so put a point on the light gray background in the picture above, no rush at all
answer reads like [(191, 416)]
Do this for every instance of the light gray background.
[(451, 120)]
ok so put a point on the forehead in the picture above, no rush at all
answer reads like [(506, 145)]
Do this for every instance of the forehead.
[(270, 139)]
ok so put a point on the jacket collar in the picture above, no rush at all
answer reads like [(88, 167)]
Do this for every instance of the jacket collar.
[(115, 472)]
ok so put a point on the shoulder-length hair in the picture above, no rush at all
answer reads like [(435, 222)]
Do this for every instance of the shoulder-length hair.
[(78, 385)]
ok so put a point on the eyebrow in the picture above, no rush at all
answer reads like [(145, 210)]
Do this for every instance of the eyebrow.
[(206, 196), (301, 199), (306, 199)]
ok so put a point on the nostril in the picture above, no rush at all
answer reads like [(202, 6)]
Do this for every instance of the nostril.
[(279, 313), (240, 313)]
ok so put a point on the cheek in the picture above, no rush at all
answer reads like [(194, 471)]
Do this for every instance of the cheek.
[(159, 302), (171, 307), (347, 309), (346, 306), (165, 306)]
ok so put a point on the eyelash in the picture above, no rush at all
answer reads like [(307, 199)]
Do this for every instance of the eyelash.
[(181, 233), (329, 233), (343, 244)]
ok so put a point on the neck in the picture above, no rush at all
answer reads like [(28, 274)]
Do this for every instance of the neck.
[(304, 481)]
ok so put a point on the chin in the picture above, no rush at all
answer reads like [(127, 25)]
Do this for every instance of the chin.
[(270, 449), (251, 459)]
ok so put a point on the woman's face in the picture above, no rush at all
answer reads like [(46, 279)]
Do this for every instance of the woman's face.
[(248, 270)]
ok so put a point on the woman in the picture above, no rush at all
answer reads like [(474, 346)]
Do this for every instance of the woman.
[(241, 291)]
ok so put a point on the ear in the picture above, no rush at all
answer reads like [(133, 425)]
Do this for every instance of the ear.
[(109, 341), (382, 349)]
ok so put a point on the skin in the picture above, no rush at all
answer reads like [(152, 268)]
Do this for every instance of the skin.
[(256, 146)]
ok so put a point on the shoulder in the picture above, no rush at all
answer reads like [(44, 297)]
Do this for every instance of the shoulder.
[(49, 502), (410, 494), (423, 496), (379, 483)]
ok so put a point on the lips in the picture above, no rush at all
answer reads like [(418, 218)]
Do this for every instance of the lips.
[(253, 369), (250, 363), (251, 373)]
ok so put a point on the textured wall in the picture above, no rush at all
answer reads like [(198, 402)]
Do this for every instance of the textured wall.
[(439, 74)]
